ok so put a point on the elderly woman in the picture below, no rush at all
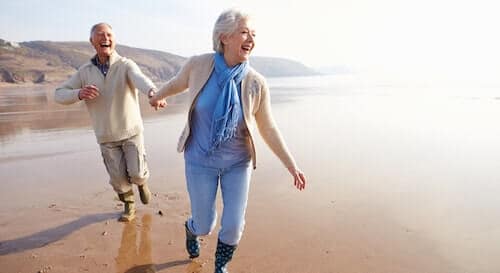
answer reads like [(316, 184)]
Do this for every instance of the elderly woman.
[(227, 98)]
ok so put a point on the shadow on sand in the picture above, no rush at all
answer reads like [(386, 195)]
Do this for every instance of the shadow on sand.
[(52, 235), (152, 268)]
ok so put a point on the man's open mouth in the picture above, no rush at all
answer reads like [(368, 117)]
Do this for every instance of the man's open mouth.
[(246, 47)]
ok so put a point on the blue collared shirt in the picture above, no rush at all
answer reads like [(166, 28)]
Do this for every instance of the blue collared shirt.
[(102, 67)]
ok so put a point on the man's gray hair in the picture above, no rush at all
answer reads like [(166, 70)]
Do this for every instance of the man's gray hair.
[(92, 29), (226, 24)]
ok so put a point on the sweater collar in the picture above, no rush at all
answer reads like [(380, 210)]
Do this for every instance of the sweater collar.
[(112, 59)]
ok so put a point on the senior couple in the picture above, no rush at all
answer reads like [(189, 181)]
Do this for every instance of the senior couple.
[(227, 99)]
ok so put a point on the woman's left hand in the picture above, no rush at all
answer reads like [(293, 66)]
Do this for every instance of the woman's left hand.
[(298, 177)]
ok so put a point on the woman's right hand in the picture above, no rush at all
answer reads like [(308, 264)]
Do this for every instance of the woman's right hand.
[(157, 103)]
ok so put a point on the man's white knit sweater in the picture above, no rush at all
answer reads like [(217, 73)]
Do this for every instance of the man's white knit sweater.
[(115, 113)]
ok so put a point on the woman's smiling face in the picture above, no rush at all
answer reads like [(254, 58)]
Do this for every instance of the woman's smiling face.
[(239, 44)]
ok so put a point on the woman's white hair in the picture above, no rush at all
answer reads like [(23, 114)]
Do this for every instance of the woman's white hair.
[(226, 24)]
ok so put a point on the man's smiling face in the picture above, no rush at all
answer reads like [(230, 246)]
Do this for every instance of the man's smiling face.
[(103, 40)]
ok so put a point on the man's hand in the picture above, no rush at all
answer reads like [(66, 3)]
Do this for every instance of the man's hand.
[(157, 103), (88, 92)]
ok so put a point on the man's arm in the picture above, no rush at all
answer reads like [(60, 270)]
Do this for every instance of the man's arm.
[(139, 80), (67, 93), (144, 84)]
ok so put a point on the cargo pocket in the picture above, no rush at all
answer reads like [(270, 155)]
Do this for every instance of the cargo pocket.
[(106, 158)]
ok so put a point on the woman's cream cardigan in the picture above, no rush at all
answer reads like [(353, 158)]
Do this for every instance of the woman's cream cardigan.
[(255, 103)]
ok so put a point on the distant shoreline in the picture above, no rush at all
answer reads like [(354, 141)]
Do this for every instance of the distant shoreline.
[(50, 62)]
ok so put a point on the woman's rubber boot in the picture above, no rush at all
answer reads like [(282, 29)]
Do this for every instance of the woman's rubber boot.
[(129, 204), (192, 243), (223, 256)]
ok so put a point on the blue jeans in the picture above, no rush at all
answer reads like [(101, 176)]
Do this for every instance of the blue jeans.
[(202, 185)]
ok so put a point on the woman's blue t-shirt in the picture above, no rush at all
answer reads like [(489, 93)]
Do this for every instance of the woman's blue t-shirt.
[(232, 152)]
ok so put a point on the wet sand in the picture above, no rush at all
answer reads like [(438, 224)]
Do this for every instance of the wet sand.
[(396, 184)]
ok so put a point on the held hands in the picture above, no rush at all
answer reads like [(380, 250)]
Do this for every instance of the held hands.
[(88, 92), (156, 103), (299, 180)]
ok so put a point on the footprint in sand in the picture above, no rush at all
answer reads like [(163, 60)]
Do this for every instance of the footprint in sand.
[(174, 196), (195, 267)]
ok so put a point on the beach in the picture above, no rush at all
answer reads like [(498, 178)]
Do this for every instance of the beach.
[(400, 180)]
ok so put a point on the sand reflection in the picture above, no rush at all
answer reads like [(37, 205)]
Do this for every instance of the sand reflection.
[(132, 258)]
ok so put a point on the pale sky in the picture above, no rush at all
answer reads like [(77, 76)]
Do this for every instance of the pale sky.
[(414, 39)]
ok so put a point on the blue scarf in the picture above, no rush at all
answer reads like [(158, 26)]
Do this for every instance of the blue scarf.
[(227, 109)]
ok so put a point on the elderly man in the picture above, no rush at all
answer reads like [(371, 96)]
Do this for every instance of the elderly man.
[(108, 85)]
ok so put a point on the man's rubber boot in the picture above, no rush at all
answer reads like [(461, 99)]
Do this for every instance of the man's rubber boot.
[(144, 193), (129, 205)]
